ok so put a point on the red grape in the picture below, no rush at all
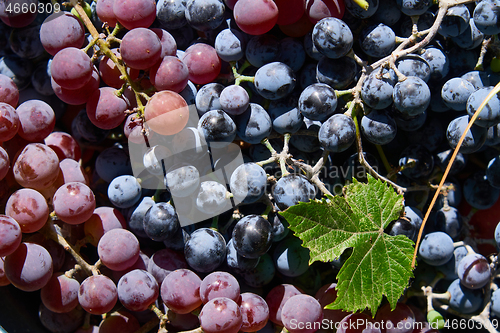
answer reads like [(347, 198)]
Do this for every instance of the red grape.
[(140, 48), (4, 163), (110, 73), (118, 249), (72, 171), (168, 43), (10, 235), (219, 284), (133, 129), (102, 220), (64, 145), (169, 74), (74, 203), (137, 290), (60, 294), (166, 113), (302, 314), (221, 315), (104, 10), (180, 291), (135, 13), (164, 261), (97, 294), (71, 68), (255, 17), (277, 298), (202, 62), (29, 208), (29, 268), (105, 109), (77, 96), (37, 120), (36, 167), (9, 93), (9, 122), (254, 311), (61, 30)]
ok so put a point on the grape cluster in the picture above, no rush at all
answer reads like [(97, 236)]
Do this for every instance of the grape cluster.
[(148, 147)]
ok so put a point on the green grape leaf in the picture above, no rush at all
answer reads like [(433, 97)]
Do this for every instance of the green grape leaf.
[(380, 264)]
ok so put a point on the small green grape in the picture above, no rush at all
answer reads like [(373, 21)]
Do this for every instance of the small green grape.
[(435, 319), (495, 64)]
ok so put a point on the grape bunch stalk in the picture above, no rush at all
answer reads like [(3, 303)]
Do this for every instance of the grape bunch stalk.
[(221, 166)]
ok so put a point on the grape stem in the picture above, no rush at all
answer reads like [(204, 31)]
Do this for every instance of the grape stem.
[(364, 162), (104, 49), (50, 231)]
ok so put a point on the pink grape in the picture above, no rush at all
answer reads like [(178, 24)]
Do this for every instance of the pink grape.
[(165, 261), (254, 312), (105, 109), (97, 294), (133, 129), (118, 249), (169, 74), (60, 294), (10, 235), (71, 68), (4, 163), (166, 112), (72, 171), (299, 311), (135, 13), (37, 166), (29, 208), (221, 315), (168, 44), (74, 203), (102, 220), (140, 48), (203, 63), (104, 10), (64, 145), (37, 120), (9, 93), (61, 30), (277, 298), (29, 268), (141, 264), (137, 290), (180, 291), (255, 17), (56, 250), (77, 96), (9, 122), (219, 284), (110, 73)]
